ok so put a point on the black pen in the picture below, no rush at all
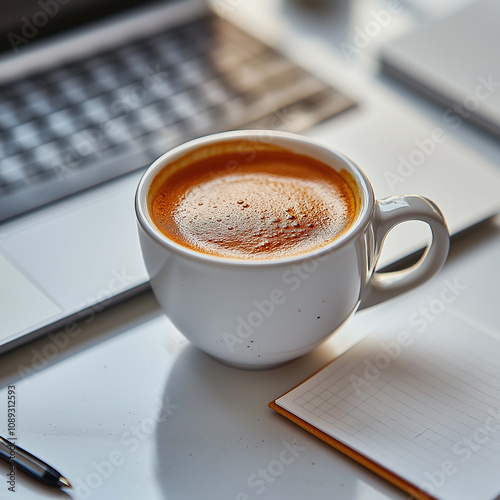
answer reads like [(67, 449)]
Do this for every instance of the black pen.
[(31, 465)]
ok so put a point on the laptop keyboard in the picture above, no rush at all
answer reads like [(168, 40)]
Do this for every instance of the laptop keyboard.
[(87, 122)]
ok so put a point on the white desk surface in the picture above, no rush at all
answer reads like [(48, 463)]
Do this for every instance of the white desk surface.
[(126, 408), (129, 409)]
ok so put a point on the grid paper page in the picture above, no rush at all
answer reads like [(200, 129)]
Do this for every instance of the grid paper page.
[(425, 405)]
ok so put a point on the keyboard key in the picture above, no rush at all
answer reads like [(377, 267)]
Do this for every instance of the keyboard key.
[(184, 105), (46, 152), (152, 118), (97, 110), (7, 187), (41, 102), (61, 74), (215, 92), (26, 86), (202, 122), (8, 116), (63, 123), (39, 106), (195, 71), (133, 96), (26, 135), (35, 172), (74, 90), (11, 171), (163, 89)]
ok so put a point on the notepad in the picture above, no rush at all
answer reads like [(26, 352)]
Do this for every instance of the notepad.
[(416, 401)]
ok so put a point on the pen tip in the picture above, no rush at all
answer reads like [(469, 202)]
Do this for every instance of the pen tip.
[(64, 482)]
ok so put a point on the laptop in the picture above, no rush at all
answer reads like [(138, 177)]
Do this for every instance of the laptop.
[(455, 62), (90, 97)]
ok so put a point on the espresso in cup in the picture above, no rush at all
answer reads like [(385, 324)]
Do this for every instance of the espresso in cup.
[(269, 204)]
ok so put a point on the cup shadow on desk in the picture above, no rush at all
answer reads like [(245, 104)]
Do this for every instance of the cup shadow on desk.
[(220, 432)]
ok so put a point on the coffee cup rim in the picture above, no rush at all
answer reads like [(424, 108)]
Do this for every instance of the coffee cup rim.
[(285, 140)]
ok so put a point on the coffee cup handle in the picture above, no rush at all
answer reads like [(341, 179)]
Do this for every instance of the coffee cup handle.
[(390, 212)]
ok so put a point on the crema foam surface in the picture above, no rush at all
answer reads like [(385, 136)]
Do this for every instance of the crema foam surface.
[(277, 205)]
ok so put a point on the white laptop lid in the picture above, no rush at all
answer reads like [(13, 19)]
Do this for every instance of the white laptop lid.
[(455, 60)]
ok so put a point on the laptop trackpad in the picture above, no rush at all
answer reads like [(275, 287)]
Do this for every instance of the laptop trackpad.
[(22, 303), (83, 250)]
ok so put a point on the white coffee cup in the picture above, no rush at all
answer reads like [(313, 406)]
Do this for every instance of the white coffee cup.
[(262, 313)]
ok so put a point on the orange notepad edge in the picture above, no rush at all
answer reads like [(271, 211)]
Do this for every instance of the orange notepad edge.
[(381, 471)]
